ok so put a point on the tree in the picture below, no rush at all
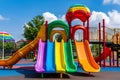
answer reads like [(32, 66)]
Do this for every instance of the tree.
[(31, 28), (7, 45), (95, 48)]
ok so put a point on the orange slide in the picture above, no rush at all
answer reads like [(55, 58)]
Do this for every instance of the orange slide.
[(85, 57), (25, 50)]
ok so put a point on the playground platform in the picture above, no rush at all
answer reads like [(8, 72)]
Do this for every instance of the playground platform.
[(24, 70)]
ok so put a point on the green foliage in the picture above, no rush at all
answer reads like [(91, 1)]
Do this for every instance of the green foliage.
[(31, 28), (21, 44), (7, 45), (94, 47)]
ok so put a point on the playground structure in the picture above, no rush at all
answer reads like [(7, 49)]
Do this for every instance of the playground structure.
[(115, 47), (57, 57), (54, 56), (109, 39)]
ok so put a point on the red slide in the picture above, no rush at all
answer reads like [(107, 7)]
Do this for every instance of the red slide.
[(102, 56)]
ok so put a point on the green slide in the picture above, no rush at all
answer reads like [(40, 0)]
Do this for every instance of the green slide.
[(69, 59)]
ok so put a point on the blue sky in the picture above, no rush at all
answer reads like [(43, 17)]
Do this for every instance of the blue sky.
[(15, 13)]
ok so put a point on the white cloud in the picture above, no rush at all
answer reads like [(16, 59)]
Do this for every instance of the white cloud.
[(116, 2), (111, 18), (106, 1), (97, 17), (114, 18), (111, 2), (49, 17), (63, 18), (26, 25), (3, 18)]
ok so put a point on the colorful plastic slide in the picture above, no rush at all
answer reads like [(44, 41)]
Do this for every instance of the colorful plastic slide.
[(70, 65), (59, 56), (25, 50), (60, 61), (101, 57), (50, 57), (40, 64), (85, 57)]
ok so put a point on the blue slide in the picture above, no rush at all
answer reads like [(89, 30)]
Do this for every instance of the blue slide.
[(50, 57)]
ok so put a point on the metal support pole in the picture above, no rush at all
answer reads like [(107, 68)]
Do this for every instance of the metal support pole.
[(46, 25), (104, 42), (42, 75), (100, 44), (110, 58), (61, 75), (113, 58), (118, 58), (88, 30)]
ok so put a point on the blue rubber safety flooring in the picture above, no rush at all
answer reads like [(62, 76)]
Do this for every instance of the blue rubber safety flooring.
[(104, 69), (20, 72), (25, 64), (15, 72)]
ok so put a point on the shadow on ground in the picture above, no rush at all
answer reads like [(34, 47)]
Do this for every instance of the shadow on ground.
[(81, 74), (31, 73)]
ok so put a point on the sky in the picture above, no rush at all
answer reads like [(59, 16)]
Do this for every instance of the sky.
[(16, 13)]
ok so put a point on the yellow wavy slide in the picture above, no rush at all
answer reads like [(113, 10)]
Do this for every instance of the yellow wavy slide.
[(59, 56), (25, 50), (85, 57)]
